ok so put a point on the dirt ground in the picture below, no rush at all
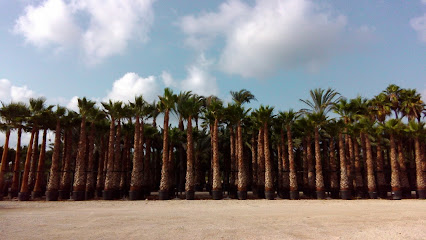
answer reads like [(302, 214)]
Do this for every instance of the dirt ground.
[(209, 219)]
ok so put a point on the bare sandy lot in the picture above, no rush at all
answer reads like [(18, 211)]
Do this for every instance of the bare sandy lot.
[(208, 219)]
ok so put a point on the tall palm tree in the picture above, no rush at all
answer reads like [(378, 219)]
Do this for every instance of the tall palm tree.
[(22, 112), (52, 192), (231, 118), (136, 183), (112, 109), (345, 192), (366, 125), (418, 130), (333, 131), (167, 103), (393, 93), (241, 97), (412, 104), (79, 187)]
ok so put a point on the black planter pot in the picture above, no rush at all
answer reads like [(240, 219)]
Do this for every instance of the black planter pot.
[(294, 195), (270, 195), (334, 194), (242, 195), (35, 195), (190, 195), (372, 195), (346, 194), (217, 194), (163, 195), (320, 194), (13, 194), (23, 196), (232, 194), (52, 195), (78, 195), (421, 194), (396, 195), (89, 195), (107, 195), (64, 195), (135, 195)]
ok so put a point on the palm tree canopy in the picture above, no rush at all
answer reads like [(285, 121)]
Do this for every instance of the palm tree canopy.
[(85, 106), (242, 96), (168, 100), (321, 100)]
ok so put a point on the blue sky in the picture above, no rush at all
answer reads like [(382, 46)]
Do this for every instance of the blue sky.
[(278, 49)]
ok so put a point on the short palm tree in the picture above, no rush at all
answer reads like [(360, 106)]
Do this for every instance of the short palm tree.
[(417, 130)]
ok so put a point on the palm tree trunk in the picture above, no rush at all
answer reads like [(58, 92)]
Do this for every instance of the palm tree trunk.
[(311, 166), (242, 176), (189, 184), (420, 176), (125, 156), (280, 179), (359, 184), (138, 166), (15, 181), (34, 158), (294, 191), (79, 185), (319, 179), (269, 183), (37, 192), (24, 192), (253, 163), (117, 160), (344, 179), (261, 164), (3, 162), (405, 185), (305, 167), (65, 185), (371, 181), (109, 179), (285, 163), (100, 176), (233, 178), (395, 176), (217, 185), (90, 178), (164, 182), (350, 160), (334, 179), (147, 176), (52, 193), (381, 182)]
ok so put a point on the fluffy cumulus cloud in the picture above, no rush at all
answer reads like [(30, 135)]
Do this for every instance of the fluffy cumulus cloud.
[(10, 92), (130, 85), (265, 37), (100, 28), (419, 25)]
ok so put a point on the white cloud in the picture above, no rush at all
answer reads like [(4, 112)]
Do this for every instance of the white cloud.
[(424, 93), (419, 25), (199, 80), (271, 35), (10, 92), (168, 80), (100, 28), (130, 85), (73, 104)]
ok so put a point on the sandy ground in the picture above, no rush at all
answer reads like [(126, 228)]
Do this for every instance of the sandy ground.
[(208, 219)]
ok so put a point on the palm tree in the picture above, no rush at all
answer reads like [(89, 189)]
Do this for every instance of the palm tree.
[(231, 118), (393, 93), (21, 112), (52, 193), (411, 104), (333, 131), (79, 187), (167, 103), (345, 192), (112, 109), (392, 127), (138, 107), (366, 125), (241, 97), (417, 130)]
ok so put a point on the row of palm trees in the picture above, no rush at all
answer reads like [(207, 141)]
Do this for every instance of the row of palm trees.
[(369, 147)]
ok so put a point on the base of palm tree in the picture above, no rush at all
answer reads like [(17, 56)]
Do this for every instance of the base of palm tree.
[(89, 195), (190, 195), (359, 193), (334, 194), (37, 194), (261, 191), (52, 195), (107, 194), (421, 194), (320, 194), (116, 194), (13, 194), (346, 194), (78, 195), (99, 193), (23, 196), (294, 195), (372, 195), (232, 193), (163, 195), (406, 193), (284, 194), (217, 194), (383, 194), (396, 195), (270, 195), (64, 195), (242, 195), (135, 195)]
